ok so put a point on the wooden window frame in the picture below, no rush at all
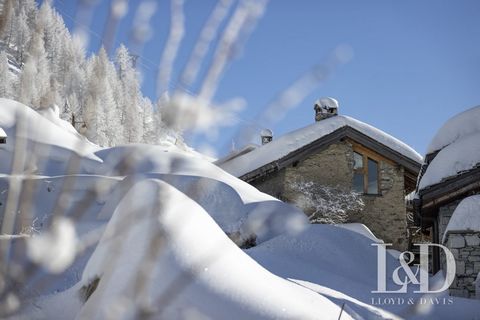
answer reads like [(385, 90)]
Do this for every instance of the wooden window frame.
[(368, 154)]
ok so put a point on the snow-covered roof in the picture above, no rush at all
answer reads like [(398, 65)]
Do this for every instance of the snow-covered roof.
[(457, 127), (236, 153), (295, 140), (2, 133), (453, 159), (457, 141), (465, 217)]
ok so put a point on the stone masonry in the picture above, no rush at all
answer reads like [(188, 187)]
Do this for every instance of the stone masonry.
[(465, 247), (384, 214)]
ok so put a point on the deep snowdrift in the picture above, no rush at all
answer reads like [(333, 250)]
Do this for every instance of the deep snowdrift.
[(172, 253), (53, 151), (165, 252)]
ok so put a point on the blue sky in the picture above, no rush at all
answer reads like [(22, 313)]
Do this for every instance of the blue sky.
[(415, 63)]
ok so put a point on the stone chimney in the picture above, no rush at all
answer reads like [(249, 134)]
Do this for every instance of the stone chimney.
[(325, 108), (266, 135)]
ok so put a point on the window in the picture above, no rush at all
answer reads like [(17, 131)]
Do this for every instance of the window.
[(365, 174), (372, 172)]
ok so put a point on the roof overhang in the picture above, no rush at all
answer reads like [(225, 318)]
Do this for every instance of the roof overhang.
[(448, 190), (411, 166)]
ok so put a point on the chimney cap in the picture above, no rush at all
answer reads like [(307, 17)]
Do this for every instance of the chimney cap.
[(266, 133), (326, 103)]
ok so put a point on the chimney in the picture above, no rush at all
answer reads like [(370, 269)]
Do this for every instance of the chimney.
[(325, 108), (266, 135)]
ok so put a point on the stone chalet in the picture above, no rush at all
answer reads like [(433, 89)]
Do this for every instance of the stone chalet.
[(340, 153), (447, 203)]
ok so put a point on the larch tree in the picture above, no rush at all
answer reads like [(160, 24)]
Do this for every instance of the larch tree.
[(22, 36), (7, 23), (5, 77), (129, 97)]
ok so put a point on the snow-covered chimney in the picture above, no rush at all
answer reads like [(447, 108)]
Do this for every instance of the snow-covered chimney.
[(266, 135), (325, 108)]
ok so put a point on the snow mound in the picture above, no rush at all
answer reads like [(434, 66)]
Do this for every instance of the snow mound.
[(53, 114), (461, 125), (37, 128), (324, 254), (234, 204), (174, 256), (243, 221), (168, 159), (465, 217), (362, 229), (292, 141), (459, 156), (40, 146)]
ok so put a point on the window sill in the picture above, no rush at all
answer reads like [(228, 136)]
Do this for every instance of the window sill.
[(373, 195)]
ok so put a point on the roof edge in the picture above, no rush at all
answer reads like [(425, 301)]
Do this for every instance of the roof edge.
[(345, 131)]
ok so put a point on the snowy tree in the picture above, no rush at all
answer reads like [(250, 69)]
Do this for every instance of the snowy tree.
[(27, 89), (71, 78), (35, 76), (5, 77), (150, 122), (104, 99), (22, 36), (325, 204), (102, 121), (7, 22), (128, 99)]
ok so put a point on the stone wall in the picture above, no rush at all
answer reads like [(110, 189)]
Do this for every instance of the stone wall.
[(384, 214), (465, 247), (444, 214)]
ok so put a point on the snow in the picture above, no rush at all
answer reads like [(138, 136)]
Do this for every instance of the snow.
[(465, 217), (327, 102), (362, 229), (168, 159), (177, 239), (457, 141), (266, 133), (2, 133), (151, 221), (237, 153), (456, 128), (54, 250), (341, 265), (53, 114), (461, 155), (52, 143), (292, 141)]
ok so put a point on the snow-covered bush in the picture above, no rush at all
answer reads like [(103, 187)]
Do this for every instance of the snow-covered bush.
[(325, 204)]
